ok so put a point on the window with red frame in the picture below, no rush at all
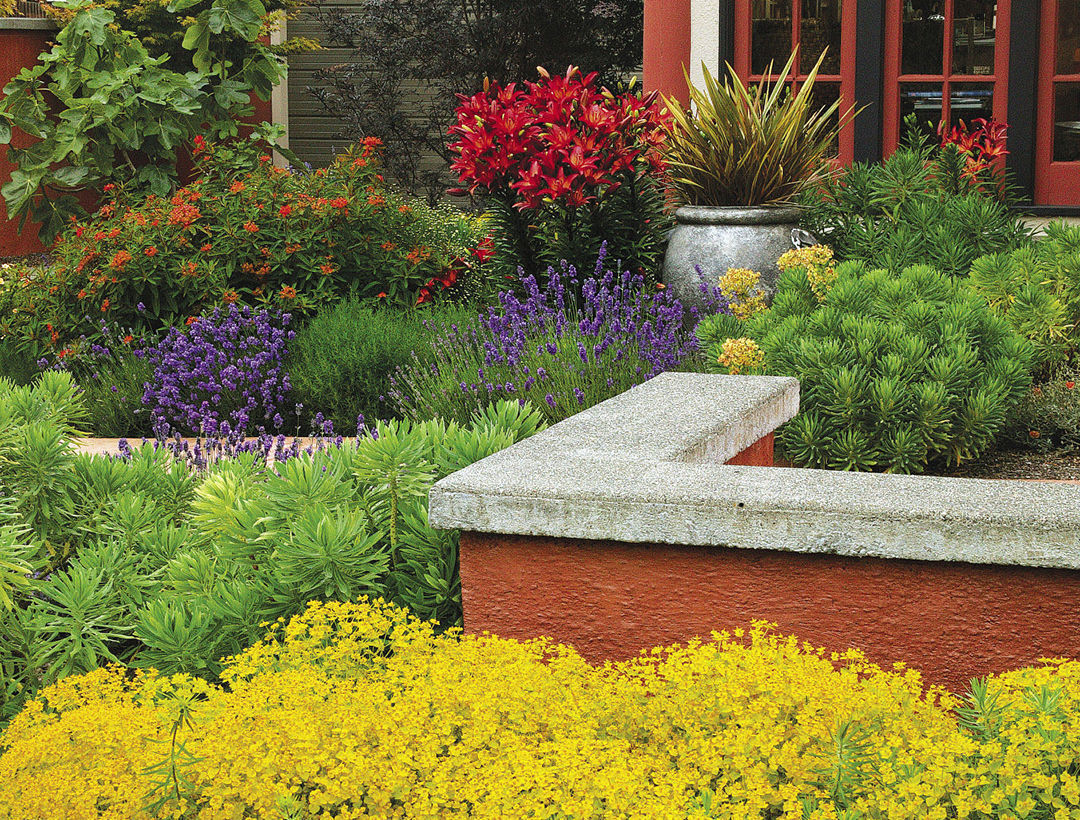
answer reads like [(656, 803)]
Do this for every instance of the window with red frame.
[(1057, 149), (767, 31), (945, 61)]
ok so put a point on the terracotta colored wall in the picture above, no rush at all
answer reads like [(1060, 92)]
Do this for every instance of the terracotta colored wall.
[(758, 454), (608, 599), (18, 48), (666, 46)]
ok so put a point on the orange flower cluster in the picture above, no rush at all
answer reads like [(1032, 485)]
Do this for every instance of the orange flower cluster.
[(120, 258), (183, 214)]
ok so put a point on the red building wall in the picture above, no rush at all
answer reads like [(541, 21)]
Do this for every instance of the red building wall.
[(610, 600), (18, 48), (666, 46)]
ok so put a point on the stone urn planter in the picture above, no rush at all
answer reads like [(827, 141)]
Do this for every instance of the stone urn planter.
[(715, 238)]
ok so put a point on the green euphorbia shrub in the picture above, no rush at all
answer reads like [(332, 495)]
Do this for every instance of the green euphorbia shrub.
[(922, 205), (897, 371), (145, 561), (1037, 288)]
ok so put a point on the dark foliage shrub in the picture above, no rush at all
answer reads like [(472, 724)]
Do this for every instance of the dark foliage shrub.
[(897, 370), (412, 56), (1048, 416), (922, 205), (566, 347), (340, 363)]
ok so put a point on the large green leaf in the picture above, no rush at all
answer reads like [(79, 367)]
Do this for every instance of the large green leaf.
[(25, 110), (19, 192), (71, 176), (92, 23), (197, 40), (243, 17)]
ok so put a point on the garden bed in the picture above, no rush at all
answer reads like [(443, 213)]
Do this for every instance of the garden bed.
[(1053, 465)]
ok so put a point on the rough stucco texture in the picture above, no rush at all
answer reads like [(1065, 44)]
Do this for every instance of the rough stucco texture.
[(952, 621)]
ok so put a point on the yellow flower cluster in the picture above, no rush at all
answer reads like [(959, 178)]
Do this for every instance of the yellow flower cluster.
[(741, 356), (357, 710), (740, 287), (817, 261)]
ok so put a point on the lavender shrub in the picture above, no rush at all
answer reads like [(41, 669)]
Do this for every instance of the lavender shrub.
[(222, 375), (560, 351)]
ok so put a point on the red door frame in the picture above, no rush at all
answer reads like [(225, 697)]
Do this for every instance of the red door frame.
[(893, 78), (1056, 183), (846, 77)]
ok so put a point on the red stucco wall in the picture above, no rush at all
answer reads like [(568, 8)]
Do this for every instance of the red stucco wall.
[(758, 454), (952, 621), (18, 49), (666, 47)]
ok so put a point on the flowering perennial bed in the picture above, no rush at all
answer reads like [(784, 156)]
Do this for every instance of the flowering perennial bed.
[(359, 710)]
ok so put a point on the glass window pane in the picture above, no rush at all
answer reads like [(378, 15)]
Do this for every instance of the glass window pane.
[(770, 40), (924, 101), (1068, 37), (974, 34), (824, 95), (1067, 122), (970, 101), (923, 47), (820, 29)]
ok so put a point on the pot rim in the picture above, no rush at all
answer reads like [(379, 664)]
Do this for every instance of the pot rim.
[(738, 214)]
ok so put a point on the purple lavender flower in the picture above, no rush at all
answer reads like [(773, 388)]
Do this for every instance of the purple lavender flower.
[(584, 338), (219, 374)]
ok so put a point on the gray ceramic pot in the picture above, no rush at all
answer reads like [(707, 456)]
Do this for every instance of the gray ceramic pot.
[(717, 238)]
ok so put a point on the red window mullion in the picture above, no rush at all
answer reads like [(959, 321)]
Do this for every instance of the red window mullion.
[(845, 79), (947, 62), (796, 31)]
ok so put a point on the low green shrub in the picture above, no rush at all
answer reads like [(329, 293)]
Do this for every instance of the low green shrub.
[(919, 206), (357, 710), (341, 362), (113, 392), (146, 562), (1037, 288), (16, 363), (897, 371)]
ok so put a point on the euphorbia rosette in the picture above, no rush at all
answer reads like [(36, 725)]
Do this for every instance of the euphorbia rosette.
[(561, 139)]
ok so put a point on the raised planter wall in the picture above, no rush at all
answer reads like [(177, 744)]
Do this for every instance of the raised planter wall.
[(647, 520)]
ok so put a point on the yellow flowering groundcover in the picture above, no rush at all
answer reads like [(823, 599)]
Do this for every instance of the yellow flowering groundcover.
[(359, 710)]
